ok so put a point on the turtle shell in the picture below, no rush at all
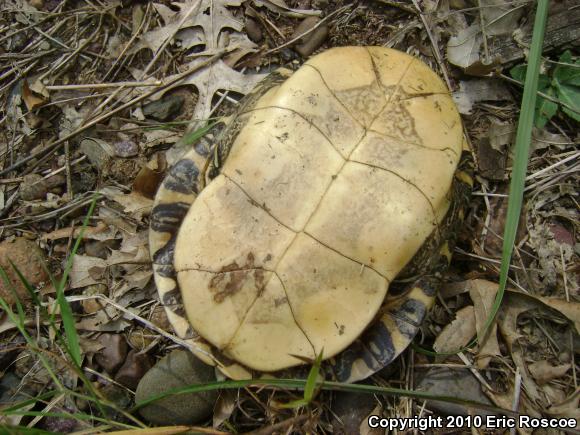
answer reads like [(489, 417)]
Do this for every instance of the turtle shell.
[(327, 184)]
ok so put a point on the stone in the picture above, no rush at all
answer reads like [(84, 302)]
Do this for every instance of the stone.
[(28, 259), (178, 369), (126, 149), (460, 383), (351, 411), (10, 390), (165, 109)]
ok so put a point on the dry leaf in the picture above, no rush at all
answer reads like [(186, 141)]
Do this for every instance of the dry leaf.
[(570, 309), (99, 232), (483, 295), (86, 271), (199, 28), (543, 372), (513, 306), (213, 78), (106, 320), (501, 134), (499, 17), (458, 333), (476, 90), (224, 407), (134, 204), (463, 49), (280, 7), (31, 100)]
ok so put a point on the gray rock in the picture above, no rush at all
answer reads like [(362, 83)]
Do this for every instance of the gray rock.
[(165, 109), (351, 411), (99, 152), (178, 369), (126, 149), (9, 390), (459, 383)]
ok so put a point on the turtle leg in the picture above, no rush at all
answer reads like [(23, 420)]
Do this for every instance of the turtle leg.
[(174, 197)]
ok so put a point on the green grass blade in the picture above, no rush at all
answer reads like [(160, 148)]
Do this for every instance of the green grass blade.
[(27, 285), (518, 176), (323, 385), (21, 315), (309, 386), (312, 378), (522, 151), (65, 310), (192, 137)]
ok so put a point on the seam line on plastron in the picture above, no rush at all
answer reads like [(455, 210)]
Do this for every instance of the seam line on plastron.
[(309, 121), (423, 194), (326, 191)]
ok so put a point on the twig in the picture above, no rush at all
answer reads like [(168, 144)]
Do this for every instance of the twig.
[(69, 189), (316, 26), (55, 145), (103, 86), (132, 316), (483, 33), (435, 46), (517, 392)]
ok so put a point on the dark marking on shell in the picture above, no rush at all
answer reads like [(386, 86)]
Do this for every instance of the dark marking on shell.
[(429, 287), (166, 271), (190, 333), (202, 148), (380, 344), (406, 314), (183, 177), (343, 363), (238, 276), (164, 257), (166, 218), (171, 298)]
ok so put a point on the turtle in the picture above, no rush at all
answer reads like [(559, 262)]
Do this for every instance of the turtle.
[(320, 221)]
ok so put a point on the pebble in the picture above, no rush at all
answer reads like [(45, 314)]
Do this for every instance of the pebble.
[(178, 369), (165, 109), (33, 187), (126, 149)]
